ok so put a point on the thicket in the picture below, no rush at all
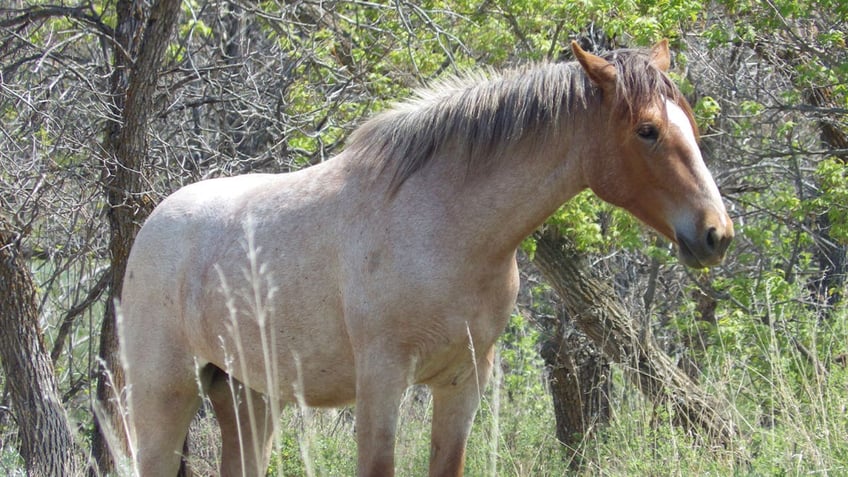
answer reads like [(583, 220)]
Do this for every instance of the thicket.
[(240, 86)]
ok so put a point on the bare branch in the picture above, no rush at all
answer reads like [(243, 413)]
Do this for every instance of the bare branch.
[(27, 16)]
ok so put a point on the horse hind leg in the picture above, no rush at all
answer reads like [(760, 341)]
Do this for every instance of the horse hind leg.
[(162, 405), (247, 426)]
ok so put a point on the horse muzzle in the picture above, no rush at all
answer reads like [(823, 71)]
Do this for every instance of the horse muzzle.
[(706, 247)]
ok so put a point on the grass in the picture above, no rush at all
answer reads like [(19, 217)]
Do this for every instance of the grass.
[(793, 422), (510, 437), (792, 414), (804, 434)]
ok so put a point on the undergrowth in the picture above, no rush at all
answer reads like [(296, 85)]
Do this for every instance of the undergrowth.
[(781, 371), (792, 421)]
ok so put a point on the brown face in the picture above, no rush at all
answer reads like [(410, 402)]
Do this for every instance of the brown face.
[(653, 168)]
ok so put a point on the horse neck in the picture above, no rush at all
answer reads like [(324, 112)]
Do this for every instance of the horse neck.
[(492, 211)]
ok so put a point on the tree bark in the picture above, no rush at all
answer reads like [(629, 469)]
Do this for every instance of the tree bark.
[(593, 306), (142, 36), (46, 442), (831, 255), (579, 382)]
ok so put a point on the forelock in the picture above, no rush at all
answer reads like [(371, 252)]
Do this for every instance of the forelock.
[(641, 85)]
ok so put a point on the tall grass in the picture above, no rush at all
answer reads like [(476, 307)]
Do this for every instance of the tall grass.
[(792, 412), (784, 380), (513, 433), (791, 424), (322, 442)]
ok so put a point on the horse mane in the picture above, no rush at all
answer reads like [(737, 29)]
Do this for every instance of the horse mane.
[(483, 113)]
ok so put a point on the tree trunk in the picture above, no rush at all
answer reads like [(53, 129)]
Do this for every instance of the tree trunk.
[(142, 37), (593, 306), (831, 255), (579, 382), (46, 442)]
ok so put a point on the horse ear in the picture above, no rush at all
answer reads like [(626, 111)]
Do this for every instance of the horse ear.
[(599, 70), (660, 56)]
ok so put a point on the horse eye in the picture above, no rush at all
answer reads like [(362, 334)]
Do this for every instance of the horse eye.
[(648, 132)]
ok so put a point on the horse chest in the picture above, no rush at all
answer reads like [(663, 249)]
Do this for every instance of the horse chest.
[(446, 345), (449, 364)]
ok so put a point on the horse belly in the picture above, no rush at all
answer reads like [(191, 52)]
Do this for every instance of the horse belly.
[(315, 357), (302, 354)]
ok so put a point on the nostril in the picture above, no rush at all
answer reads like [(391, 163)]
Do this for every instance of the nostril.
[(712, 238)]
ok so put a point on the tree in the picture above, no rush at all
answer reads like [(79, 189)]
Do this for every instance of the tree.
[(47, 445), (580, 381), (141, 39), (771, 80), (595, 309)]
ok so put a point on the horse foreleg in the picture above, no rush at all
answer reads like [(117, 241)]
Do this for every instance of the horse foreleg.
[(454, 407), (247, 427), (378, 393)]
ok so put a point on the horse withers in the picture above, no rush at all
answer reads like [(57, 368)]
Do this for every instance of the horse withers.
[(393, 263)]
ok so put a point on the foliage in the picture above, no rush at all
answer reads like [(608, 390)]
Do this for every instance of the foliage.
[(832, 175)]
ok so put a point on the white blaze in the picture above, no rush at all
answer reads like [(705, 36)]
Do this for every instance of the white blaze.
[(677, 118)]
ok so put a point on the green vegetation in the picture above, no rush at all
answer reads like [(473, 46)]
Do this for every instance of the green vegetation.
[(793, 420)]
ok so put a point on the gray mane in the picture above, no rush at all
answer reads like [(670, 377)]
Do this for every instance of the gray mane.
[(487, 113)]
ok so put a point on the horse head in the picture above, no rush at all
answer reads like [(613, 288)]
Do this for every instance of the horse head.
[(650, 163)]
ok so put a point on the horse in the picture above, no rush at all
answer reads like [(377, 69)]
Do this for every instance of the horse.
[(394, 263)]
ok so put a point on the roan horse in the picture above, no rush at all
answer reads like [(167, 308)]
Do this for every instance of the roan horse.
[(394, 263)]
